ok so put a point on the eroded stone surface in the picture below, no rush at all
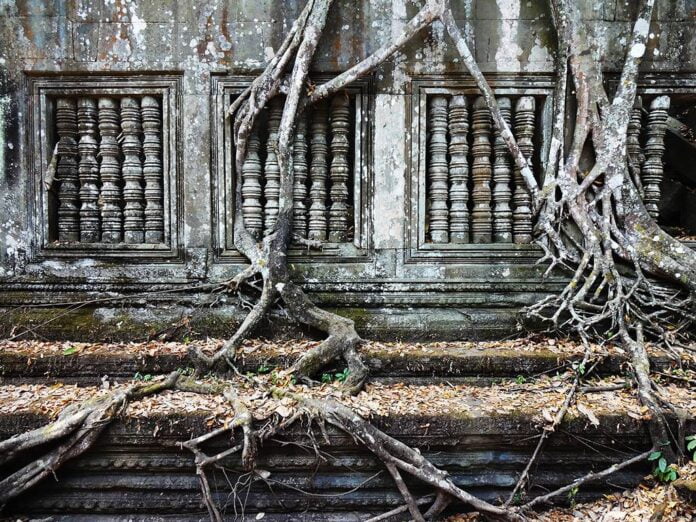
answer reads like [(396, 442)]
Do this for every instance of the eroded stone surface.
[(197, 40)]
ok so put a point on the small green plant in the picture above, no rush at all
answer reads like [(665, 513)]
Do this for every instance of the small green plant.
[(521, 379), (140, 377), (691, 446), (263, 369), (70, 350), (572, 494), (662, 471), (342, 376), (579, 368), (186, 339), (328, 378)]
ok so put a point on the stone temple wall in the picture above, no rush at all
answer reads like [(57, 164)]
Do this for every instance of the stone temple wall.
[(116, 176)]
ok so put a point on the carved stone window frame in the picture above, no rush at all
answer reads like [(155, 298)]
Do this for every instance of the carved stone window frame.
[(42, 91), (224, 89), (418, 249)]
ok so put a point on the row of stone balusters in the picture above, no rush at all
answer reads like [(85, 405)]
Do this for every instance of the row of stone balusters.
[(497, 213), (318, 213), (110, 170), (646, 162)]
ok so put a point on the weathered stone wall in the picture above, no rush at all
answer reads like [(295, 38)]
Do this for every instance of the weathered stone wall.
[(200, 43)]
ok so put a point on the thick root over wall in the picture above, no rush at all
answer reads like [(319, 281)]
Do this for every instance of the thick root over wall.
[(77, 428), (590, 223)]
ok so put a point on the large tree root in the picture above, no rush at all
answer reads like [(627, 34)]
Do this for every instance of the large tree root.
[(628, 277), (74, 431), (398, 457), (78, 427), (596, 224), (268, 258)]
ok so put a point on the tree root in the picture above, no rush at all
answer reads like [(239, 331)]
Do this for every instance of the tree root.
[(591, 223), (82, 425), (342, 341), (587, 478), (545, 433), (397, 456), (269, 257), (242, 419)]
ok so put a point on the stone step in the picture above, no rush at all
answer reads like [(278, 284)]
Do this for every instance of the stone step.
[(482, 436), (447, 410), (472, 362)]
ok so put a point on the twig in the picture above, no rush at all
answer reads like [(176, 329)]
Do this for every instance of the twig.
[(587, 478), (677, 378), (401, 509), (403, 489)]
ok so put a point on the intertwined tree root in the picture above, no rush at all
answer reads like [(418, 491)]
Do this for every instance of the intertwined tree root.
[(629, 278), (74, 431), (78, 426)]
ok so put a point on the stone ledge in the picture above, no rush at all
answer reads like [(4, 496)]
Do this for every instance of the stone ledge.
[(132, 475), (450, 412), (89, 362)]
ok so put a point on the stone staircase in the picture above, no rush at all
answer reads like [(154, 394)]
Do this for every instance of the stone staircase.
[(475, 409)]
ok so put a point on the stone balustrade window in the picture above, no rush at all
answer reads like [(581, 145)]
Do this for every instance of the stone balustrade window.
[(106, 155), (322, 161), (468, 201), (330, 174), (661, 144), (468, 197), (474, 194), (662, 149)]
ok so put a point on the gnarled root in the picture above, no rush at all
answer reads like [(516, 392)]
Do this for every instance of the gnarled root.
[(269, 257), (81, 424), (342, 341), (398, 457), (242, 419)]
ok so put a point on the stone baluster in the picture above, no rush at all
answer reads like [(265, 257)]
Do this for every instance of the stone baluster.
[(481, 218), (458, 170), (299, 189), (110, 171), (252, 173), (635, 151), (502, 177), (152, 170), (525, 111), (88, 169), (318, 172), (437, 169), (340, 170), (66, 170), (132, 171), (654, 150), (271, 169)]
